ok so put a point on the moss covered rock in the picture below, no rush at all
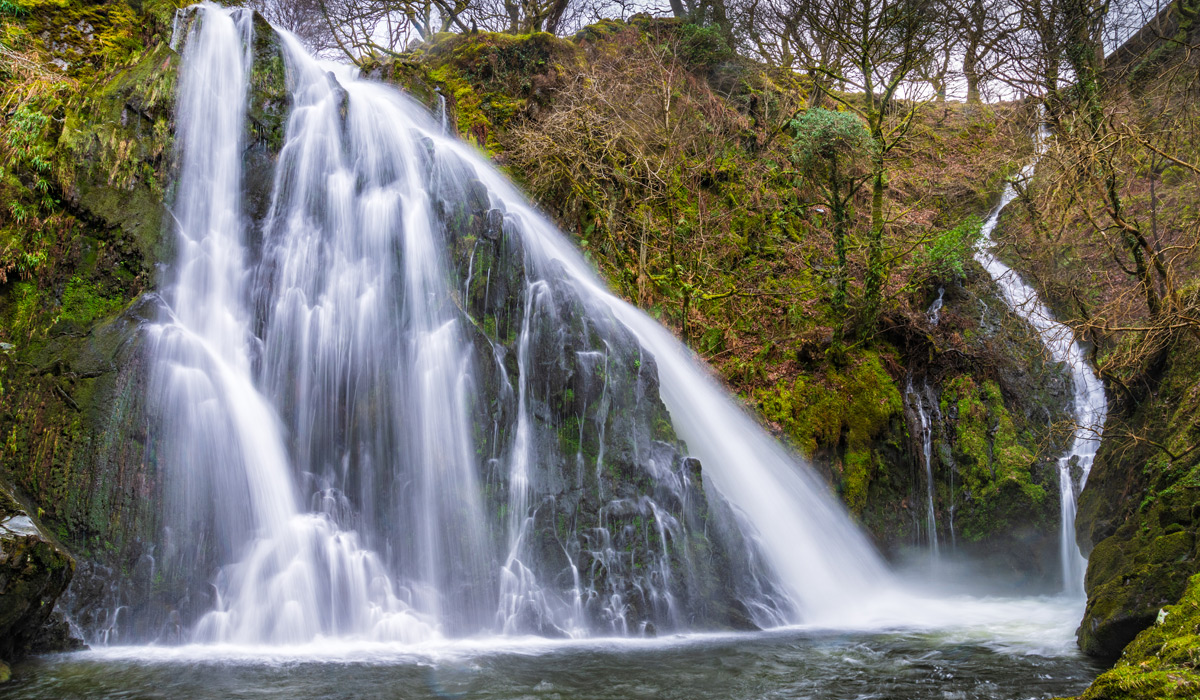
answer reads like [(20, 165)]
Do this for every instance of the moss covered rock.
[(1139, 516), (1161, 662), (488, 81), (840, 414)]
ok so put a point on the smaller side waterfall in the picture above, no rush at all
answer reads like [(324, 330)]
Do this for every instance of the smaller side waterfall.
[(917, 400), (935, 309), (1090, 404), (441, 116)]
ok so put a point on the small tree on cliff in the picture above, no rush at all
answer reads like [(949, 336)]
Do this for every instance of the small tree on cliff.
[(882, 44), (834, 150)]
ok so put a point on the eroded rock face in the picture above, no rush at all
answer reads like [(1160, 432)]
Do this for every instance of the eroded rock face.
[(34, 571)]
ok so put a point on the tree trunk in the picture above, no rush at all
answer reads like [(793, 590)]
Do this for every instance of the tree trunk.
[(971, 73), (874, 282)]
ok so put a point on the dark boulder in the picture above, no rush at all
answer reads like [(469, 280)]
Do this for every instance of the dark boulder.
[(34, 571)]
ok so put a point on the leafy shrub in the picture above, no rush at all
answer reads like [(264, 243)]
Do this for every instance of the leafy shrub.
[(945, 256), (702, 45)]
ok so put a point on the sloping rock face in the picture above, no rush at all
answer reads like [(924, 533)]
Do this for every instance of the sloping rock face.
[(616, 504), (34, 571)]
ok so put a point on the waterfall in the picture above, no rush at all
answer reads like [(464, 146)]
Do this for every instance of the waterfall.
[(399, 405), (934, 313), (442, 117), (1090, 407), (918, 403)]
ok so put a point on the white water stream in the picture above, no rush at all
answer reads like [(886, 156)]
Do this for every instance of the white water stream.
[(1089, 405)]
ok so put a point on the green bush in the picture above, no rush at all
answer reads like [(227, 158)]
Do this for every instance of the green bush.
[(945, 256), (823, 139), (702, 45)]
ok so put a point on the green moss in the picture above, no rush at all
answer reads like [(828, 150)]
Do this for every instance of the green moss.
[(490, 80), (1139, 510), (568, 436), (842, 409), (996, 488), (25, 311), (83, 302)]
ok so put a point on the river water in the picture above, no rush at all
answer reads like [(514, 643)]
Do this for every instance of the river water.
[(1036, 659)]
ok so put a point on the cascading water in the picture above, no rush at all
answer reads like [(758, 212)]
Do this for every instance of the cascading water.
[(917, 400), (298, 575), (399, 405), (934, 313), (1090, 405)]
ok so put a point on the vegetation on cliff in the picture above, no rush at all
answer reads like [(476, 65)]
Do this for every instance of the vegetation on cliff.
[(86, 139)]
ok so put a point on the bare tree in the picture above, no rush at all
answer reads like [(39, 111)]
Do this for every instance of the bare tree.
[(1033, 49), (779, 32), (983, 27), (303, 18), (373, 29)]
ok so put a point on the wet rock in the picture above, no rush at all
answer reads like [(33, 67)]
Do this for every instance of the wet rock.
[(495, 225), (269, 104), (34, 571)]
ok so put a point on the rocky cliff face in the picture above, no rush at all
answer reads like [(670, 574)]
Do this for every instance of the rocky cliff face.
[(612, 482), (89, 178), (74, 372), (1138, 517), (616, 501), (1160, 662), (79, 441)]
